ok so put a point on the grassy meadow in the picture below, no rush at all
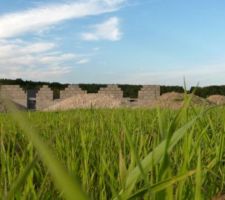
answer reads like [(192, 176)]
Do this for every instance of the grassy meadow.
[(113, 154)]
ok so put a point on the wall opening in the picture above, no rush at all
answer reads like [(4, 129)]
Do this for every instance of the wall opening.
[(31, 99)]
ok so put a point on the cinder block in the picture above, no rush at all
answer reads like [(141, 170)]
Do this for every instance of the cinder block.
[(44, 98), (112, 90), (149, 93), (15, 93), (70, 91)]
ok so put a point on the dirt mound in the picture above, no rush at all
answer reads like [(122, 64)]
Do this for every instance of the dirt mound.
[(3, 108), (171, 100), (86, 101), (175, 100), (217, 99), (172, 96)]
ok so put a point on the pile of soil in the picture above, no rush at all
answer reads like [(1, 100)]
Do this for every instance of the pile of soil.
[(172, 96), (3, 108), (86, 101), (217, 99), (175, 100), (170, 100), (219, 197)]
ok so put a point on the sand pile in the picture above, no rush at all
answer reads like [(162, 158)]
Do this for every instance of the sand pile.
[(172, 96), (170, 100), (175, 100), (86, 101), (3, 108), (217, 99)]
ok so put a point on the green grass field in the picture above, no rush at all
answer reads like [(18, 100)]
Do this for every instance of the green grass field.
[(113, 154)]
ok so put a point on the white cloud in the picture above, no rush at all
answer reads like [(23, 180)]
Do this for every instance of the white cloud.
[(36, 60), (38, 47), (37, 74), (17, 47), (44, 60), (108, 30), (36, 19), (96, 49), (83, 61)]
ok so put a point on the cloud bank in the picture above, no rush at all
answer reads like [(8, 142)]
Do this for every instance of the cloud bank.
[(36, 60), (14, 24), (108, 30), (45, 60)]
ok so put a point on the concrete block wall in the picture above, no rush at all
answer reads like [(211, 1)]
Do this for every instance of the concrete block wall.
[(15, 93), (44, 98), (112, 90), (149, 93), (70, 91)]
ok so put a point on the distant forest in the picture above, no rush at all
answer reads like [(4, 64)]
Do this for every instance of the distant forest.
[(128, 90)]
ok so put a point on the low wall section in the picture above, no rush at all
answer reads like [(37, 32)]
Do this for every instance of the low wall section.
[(15, 93), (112, 90), (70, 91), (44, 98), (149, 93)]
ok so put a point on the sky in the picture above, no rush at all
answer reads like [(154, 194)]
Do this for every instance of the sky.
[(114, 41)]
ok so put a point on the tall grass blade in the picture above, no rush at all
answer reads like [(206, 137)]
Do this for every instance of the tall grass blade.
[(64, 182), (135, 175), (161, 185), (21, 179), (198, 179)]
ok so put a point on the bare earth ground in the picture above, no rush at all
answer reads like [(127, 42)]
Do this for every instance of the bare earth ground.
[(171, 100), (4, 109), (217, 99), (175, 100), (86, 101), (219, 197)]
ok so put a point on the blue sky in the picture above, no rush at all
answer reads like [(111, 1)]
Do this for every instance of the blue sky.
[(113, 41)]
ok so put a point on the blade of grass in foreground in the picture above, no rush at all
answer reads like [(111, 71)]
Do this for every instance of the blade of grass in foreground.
[(198, 178), (21, 179), (135, 175), (161, 186), (69, 186)]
